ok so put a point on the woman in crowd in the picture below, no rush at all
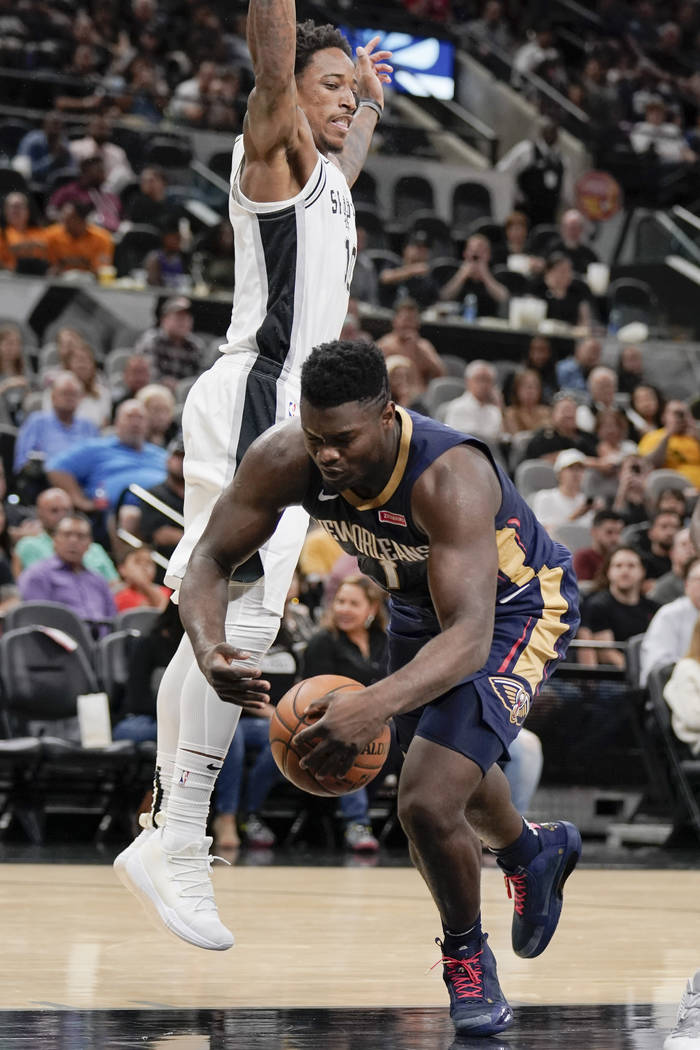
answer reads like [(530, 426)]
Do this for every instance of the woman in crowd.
[(565, 300), (682, 694), (646, 409), (15, 377), (613, 447), (404, 384), (22, 243), (96, 402), (526, 411)]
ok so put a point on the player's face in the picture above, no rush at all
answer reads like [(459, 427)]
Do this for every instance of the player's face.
[(327, 92), (351, 444)]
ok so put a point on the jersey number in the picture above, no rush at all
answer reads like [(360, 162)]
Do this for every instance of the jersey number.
[(392, 576)]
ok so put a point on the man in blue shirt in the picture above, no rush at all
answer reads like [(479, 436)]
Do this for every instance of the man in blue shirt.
[(50, 433), (96, 473), (573, 372)]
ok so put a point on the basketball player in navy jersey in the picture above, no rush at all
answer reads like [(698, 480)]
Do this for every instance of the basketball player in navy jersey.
[(483, 604), (307, 130)]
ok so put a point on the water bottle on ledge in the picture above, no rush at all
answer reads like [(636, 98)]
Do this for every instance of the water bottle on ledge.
[(470, 308)]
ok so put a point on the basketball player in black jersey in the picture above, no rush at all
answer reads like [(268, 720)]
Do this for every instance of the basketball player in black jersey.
[(483, 604)]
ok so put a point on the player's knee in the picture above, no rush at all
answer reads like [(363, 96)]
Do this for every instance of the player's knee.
[(422, 816)]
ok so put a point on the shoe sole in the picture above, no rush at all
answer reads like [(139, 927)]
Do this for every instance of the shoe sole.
[(491, 1028), (139, 882), (535, 946)]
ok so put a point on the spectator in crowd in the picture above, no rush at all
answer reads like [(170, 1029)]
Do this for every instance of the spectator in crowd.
[(537, 168), (654, 544), (352, 325), (405, 339), (136, 375), (96, 401), (630, 368), (404, 384), (567, 501), (682, 694), (606, 529), (491, 29), (214, 261), (46, 149), (573, 372), (601, 387), (63, 578), (667, 639), (51, 506), (365, 284), (411, 280), (672, 584), (630, 497), (539, 48), (566, 301), (47, 433), (675, 446), (15, 378), (159, 403), (474, 277), (539, 359), (9, 593), (88, 189), (478, 410), (563, 432), (138, 571), (646, 409), (672, 501), (96, 474), (174, 352), (153, 526), (617, 610), (515, 236), (571, 243), (612, 448), (147, 91), (526, 411), (22, 243), (168, 266), (98, 143), (150, 204), (224, 111), (190, 98), (74, 244), (660, 137)]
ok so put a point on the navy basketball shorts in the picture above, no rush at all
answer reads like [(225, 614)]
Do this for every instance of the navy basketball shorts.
[(481, 715)]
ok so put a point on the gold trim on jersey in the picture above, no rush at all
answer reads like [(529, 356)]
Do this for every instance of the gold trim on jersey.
[(540, 648), (511, 558), (396, 474)]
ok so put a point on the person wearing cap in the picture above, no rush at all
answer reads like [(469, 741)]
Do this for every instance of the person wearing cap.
[(474, 277), (411, 280), (567, 502), (172, 349)]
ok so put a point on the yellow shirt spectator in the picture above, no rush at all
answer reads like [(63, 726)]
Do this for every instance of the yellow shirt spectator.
[(682, 447), (74, 244)]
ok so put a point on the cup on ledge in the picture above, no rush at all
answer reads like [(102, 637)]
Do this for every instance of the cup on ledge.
[(598, 278), (526, 311), (106, 274), (519, 264)]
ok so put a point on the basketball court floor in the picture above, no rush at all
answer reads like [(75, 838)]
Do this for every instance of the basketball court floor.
[(334, 953)]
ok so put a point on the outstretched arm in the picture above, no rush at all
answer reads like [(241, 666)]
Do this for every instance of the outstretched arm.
[(272, 475), (372, 72)]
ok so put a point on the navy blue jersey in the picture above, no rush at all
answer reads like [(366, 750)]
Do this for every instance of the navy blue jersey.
[(536, 594)]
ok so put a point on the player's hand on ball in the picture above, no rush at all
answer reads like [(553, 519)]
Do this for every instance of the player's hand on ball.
[(348, 725), (234, 678)]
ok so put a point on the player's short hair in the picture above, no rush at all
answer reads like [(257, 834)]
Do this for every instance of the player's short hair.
[(344, 370), (312, 38)]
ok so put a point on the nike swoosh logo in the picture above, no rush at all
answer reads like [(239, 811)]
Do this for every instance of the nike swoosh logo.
[(513, 594), (325, 495), (210, 766)]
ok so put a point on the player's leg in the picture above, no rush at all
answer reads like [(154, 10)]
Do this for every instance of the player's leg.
[(435, 786)]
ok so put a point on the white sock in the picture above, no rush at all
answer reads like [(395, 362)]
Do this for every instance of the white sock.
[(168, 714)]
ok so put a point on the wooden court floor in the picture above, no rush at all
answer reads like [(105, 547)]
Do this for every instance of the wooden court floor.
[(332, 957)]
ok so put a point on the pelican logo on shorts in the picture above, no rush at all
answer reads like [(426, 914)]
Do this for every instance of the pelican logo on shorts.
[(389, 518), (514, 698), (292, 409)]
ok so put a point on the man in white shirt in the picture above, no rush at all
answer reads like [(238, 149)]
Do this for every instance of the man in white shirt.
[(668, 637), (567, 502), (117, 168), (660, 136), (478, 410)]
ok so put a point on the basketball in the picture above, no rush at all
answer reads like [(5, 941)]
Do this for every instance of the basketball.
[(289, 718)]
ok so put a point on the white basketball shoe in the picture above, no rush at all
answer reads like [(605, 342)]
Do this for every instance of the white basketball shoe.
[(175, 885), (120, 861), (686, 1034)]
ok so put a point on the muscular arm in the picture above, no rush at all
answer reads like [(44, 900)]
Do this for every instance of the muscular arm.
[(272, 475)]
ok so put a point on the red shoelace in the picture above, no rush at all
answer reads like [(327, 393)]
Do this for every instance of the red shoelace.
[(464, 974), (516, 884)]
